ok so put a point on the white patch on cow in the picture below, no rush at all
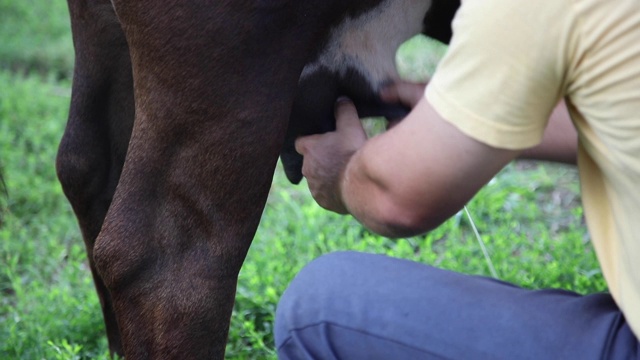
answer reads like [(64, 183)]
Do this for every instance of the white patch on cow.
[(368, 43)]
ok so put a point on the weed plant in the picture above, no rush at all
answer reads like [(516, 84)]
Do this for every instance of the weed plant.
[(530, 217)]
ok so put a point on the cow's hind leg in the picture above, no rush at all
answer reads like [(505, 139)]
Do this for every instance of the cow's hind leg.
[(94, 145), (215, 81)]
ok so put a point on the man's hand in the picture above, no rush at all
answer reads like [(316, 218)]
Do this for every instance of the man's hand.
[(326, 156), (403, 92)]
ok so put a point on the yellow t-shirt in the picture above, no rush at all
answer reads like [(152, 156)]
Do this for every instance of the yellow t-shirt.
[(508, 65)]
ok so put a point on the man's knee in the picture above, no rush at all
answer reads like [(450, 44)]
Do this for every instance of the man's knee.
[(311, 296), (318, 279)]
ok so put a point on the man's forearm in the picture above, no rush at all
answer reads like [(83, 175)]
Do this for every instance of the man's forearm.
[(368, 199), (415, 176)]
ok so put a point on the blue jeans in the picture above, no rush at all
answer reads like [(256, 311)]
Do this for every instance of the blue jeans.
[(352, 306)]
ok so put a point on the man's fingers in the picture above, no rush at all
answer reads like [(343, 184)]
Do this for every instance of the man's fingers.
[(406, 93), (302, 143), (347, 124), (346, 115)]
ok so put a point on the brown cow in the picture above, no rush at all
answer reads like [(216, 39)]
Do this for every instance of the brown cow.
[(178, 114)]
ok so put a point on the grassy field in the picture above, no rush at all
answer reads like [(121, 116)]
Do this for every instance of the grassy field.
[(529, 216)]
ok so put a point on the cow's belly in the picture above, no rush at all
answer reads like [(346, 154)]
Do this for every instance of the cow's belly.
[(367, 44)]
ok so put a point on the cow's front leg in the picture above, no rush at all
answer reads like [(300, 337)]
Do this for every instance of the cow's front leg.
[(214, 84)]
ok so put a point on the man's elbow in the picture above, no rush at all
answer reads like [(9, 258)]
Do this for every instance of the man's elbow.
[(396, 221)]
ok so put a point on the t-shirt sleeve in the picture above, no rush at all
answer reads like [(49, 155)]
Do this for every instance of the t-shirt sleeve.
[(504, 70)]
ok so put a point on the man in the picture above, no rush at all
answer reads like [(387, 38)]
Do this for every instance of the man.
[(491, 100)]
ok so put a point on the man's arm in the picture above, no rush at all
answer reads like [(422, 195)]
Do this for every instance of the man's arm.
[(560, 140), (418, 174), (559, 143), (403, 182)]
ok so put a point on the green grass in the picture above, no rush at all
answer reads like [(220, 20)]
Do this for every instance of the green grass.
[(529, 216), (35, 35)]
